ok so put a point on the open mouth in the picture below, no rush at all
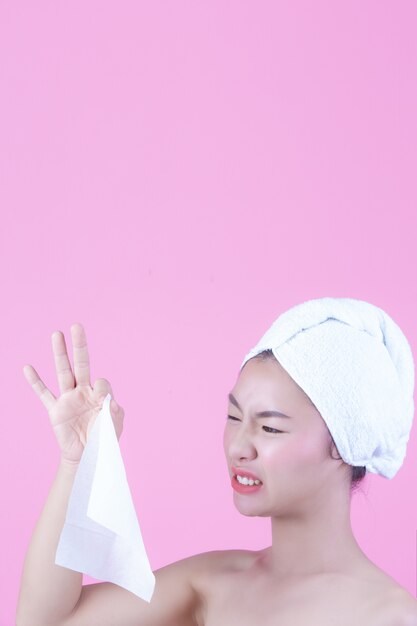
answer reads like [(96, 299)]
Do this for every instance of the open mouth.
[(243, 480), (246, 483)]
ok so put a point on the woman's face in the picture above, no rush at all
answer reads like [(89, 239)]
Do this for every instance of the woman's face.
[(290, 455)]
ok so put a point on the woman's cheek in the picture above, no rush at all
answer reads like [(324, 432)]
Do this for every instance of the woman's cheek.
[(296, 453)]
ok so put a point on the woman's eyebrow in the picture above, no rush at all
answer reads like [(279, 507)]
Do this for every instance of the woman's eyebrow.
[(233, 400)]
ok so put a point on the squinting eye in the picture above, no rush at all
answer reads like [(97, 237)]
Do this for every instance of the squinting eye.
[(274, 430)]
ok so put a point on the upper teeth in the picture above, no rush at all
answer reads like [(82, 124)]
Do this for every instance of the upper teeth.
[(247, 481)]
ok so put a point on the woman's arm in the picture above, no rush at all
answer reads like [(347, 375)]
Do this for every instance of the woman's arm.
[(51, 595), (49, 592)]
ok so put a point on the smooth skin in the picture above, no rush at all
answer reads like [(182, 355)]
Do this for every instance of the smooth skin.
[(313, 571)]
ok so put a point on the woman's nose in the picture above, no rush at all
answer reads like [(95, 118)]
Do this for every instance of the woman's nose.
[(241, 444)]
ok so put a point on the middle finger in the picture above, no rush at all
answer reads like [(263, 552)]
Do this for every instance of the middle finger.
[(81, 358), (62, 364)]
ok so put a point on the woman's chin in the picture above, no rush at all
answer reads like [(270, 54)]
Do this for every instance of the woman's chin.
[(250, 509)]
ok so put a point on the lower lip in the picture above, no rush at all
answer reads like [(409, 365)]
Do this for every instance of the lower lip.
[(237, 486)]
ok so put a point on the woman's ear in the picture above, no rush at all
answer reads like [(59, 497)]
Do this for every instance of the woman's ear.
[(334, 452)]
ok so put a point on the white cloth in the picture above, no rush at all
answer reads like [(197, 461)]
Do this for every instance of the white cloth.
[(356, 366), (101, 536)]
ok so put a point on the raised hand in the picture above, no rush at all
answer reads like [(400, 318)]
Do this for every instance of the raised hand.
[(72, 414)]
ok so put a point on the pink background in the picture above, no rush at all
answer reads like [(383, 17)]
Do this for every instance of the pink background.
[(174, 175)]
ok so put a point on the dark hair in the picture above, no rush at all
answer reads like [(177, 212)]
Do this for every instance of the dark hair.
[(358, 471)]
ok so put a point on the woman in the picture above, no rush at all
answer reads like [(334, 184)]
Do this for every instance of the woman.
[(313, 573)]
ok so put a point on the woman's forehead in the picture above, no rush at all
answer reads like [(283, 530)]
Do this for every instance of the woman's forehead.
[(265, 376), (266, 381)]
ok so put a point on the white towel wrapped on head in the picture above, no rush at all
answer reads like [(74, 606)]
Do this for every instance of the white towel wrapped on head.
[(356, 366)]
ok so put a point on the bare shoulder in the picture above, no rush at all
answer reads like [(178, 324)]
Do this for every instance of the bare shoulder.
[(401, 607), (208, 566), (209, 570), (397, 606)]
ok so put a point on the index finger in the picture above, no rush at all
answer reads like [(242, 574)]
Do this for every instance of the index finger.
[(80, 352), (39, 386)]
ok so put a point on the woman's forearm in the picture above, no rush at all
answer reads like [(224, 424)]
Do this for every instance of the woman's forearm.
[(49, 592)]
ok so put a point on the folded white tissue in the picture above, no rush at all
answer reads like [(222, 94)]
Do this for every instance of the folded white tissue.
[(101, 536)]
